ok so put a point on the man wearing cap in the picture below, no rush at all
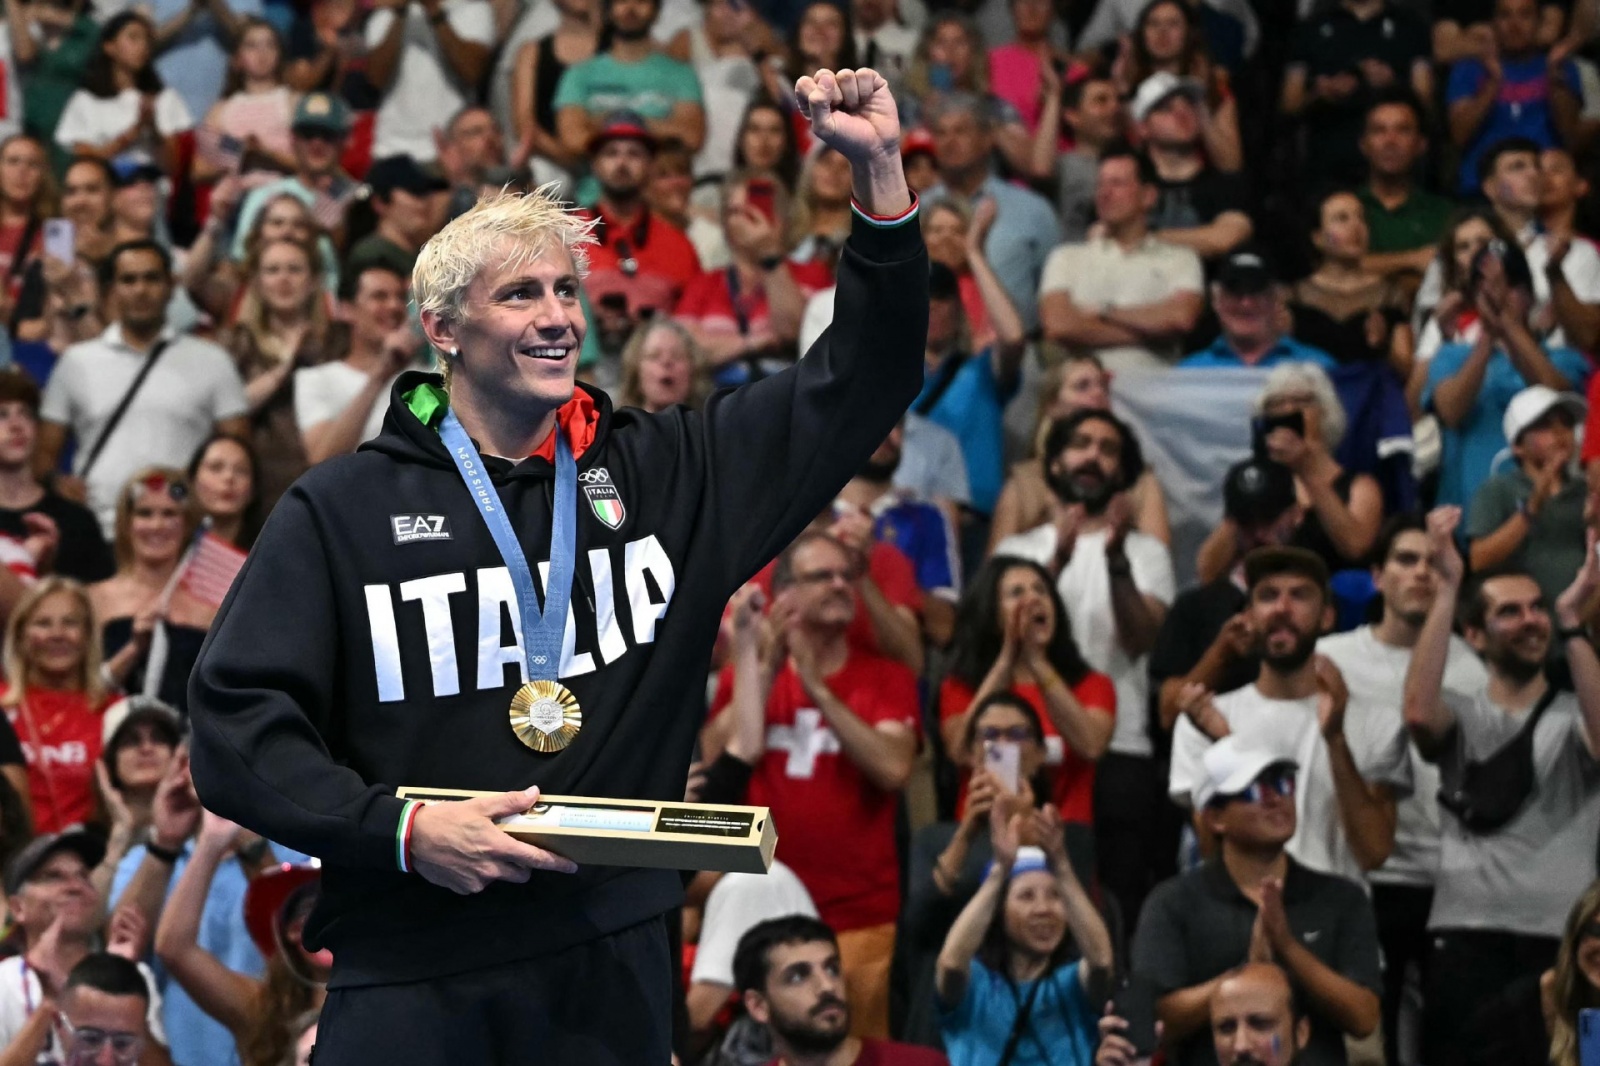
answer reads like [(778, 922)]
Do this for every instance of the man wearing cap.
[(427, 57), (1353, 757), (1124, 295), (409, 200), (1339, 58), (1470, 386), (317, 137), (1502, 895), (1207, 637), (56, 913), (1199, 207), (637, 255), (1254, 902), (1529, 516), (1248, 299)]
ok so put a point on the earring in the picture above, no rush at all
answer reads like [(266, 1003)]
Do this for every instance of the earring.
[(455, 353)]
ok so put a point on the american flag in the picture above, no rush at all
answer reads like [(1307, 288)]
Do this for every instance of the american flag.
[(217, 147), (212, 565)]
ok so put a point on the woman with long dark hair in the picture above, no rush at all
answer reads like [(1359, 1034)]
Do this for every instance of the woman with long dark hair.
[(27, 198), (1016, 969), (256, 106), (123, 107), (766, 142), (538, 71), (1012, 636)]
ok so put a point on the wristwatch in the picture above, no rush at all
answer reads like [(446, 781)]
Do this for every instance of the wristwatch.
[(1566, 633), (170, 856)]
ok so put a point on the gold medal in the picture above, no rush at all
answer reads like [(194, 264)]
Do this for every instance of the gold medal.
[(545, 715)]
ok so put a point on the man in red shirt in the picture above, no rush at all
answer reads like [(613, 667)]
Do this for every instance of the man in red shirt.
[(840, 739), (788, 972), (641, 258)]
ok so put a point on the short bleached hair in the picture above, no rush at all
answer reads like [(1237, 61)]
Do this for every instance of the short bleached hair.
[(504, 227)]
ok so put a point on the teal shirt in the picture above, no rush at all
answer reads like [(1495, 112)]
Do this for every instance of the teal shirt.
[(49, 83), (653, 87)]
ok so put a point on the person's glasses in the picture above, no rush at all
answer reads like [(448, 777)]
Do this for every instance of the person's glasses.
[(83, 1045), (1015, 733), (176, 491), (1278, 780), (1590, 931), (824, 577)]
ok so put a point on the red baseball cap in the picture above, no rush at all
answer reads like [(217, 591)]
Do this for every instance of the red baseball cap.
[(265, 897)]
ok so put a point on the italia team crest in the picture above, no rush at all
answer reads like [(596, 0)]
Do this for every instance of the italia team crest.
[(604, 499)]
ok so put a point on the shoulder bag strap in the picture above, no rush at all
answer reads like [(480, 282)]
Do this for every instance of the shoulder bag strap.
[(122, 407), (1020, 1026)]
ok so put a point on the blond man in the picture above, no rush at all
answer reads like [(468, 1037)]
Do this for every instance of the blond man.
[(509, 544)]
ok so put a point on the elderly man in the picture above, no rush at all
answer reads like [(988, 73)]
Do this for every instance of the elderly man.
[(1249, 303), (399, 564)]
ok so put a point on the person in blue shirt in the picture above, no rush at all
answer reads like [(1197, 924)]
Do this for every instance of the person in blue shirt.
[(1015, 970), (1518, 90), (1249, 302), (967, 392), (1470, 385)]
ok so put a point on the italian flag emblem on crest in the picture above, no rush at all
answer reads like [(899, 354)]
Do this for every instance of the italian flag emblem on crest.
[(606, 503)]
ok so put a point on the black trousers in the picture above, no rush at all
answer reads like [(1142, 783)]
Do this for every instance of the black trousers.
[(1402, 912), (1135, 831), (606, 1003), (1468, 968)]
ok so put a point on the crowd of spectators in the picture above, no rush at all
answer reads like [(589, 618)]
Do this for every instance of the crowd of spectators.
[(1279, 736)]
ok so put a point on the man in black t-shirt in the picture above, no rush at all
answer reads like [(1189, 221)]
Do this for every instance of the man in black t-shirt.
[(1339, 60), (1199, 207), (82, 552)]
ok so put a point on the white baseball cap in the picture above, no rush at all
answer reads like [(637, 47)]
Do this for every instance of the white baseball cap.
[(1231, 766), (1533, 403), (1157, 87)]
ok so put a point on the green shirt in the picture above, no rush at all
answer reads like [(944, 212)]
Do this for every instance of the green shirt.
[(51, 80), (1416, 223), (1552, 551)]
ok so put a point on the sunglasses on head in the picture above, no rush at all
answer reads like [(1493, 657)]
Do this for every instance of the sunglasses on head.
[(175, 491), (1276, 779)]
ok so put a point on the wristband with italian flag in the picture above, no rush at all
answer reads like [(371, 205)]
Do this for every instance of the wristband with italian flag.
[(885, 221), (402, 835)]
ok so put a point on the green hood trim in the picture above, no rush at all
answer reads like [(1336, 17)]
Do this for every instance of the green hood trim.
[(428, 402)]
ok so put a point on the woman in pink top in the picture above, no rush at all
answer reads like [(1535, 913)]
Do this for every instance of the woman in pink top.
[(1014, 68), (248, 128)]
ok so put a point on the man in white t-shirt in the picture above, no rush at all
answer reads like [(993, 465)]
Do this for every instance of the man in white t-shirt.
[(339, 405), (1373, 660), (1124, 295), (56, 910), (1504, 885), (1354, 760), (191, 389), (427, 57), (1116, 583)]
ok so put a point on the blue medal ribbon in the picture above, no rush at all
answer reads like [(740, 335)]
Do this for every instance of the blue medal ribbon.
[(542, 632)]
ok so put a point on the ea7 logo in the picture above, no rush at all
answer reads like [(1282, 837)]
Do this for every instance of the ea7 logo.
[(409, 528)]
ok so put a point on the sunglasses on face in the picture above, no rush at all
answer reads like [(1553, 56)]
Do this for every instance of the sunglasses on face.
[(1591, 931), (1014, 733), (1277, 780)]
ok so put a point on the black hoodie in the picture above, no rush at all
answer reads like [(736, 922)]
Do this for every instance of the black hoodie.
[(366, 643)]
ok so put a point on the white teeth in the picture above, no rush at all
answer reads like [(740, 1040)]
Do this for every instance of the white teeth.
[(546, 353)]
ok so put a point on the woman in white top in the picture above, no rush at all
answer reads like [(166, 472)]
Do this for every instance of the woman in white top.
[(123, 108), (256, 109)]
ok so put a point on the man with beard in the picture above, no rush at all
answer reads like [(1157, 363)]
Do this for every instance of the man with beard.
[(1116, 583), (638, 256), (1253, 902), (1373, 660), (920, 530), (840, 740), (631, 75), (788, 971), (1257, 1019), (1354, 760), (1501, 896)]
